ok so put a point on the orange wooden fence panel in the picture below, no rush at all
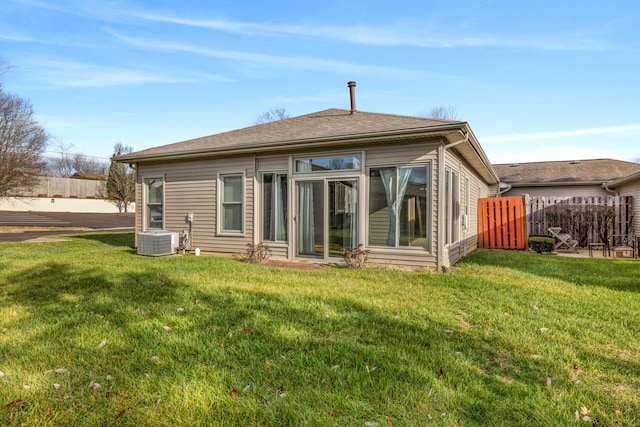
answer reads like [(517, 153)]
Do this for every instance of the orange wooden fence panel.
[(501, 223)]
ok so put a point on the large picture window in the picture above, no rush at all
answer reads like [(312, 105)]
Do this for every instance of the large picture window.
[(398, 206), (154, 189), (274, 207), (231, 205)]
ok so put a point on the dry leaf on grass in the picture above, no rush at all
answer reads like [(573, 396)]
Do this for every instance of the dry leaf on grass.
[(13, 402), (102, 343), (166, 328), (49, 412), (579, 370), (124, 411), (234, 393)]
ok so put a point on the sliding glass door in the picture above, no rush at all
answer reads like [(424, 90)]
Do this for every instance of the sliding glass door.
[(327, 217)]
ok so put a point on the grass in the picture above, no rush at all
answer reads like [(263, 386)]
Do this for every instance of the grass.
[(507, 338)]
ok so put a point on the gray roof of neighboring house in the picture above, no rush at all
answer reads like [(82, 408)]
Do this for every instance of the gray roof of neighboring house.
[(576, 172), (332, 127), (624, 180)]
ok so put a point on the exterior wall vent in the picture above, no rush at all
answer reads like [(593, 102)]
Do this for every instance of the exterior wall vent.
[(157, 243)]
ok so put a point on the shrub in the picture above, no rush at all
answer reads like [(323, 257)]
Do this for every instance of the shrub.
[(541, 244), (257, 253), (356, 258)]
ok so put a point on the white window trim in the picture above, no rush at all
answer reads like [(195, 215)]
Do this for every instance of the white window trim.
[(455, 195), (341, 172), (145, 202), (219, 205), (429, 198), (261, 207)]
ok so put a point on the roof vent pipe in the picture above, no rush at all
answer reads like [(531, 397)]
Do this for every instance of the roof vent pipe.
[(352, 94)]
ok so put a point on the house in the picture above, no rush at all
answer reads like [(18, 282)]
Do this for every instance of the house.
[(404, 187), (629, 186), (577, 178)]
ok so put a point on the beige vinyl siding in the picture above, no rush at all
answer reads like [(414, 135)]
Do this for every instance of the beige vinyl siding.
[(191, 187), (633, 189), (559, 191), (273, 163), (402, 258), (402, 154), (468, 241)]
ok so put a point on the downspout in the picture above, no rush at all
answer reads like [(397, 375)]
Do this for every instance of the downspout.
[(606, 187), (506, 189), (442, 150)]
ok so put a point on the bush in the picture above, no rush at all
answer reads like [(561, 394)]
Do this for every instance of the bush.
[(356, 258), (541, 244), (257, 253)]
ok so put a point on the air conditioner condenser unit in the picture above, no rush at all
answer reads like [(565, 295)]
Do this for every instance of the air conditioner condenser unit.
[(157, 243)]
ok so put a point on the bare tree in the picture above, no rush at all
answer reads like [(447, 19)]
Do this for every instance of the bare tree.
[(271, 115), (444, 112), (121, 183), (68, 163), (60, 166), (22, 142), (88, 164)]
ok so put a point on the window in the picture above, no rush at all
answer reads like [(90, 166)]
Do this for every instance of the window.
[(231, 209), (154, 201), (452, 206), (274, 207), (467, 207), (398, 206), (324, 164)]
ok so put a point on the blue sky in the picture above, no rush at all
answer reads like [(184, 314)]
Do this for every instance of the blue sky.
[(536, 80)]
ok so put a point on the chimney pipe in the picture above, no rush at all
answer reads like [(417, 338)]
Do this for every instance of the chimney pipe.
[(352, 93)]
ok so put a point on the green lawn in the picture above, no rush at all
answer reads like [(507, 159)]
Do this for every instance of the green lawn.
[(507, 338)]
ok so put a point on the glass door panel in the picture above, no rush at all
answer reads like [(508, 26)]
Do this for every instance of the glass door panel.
[(310, 219), (342, 216)]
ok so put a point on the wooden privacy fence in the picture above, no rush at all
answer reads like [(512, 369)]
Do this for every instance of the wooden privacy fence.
[(587, 219), (501, 223)]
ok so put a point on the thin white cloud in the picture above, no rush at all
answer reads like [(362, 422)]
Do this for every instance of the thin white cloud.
[(67, 74), (15, 38), (559, 134), (276, 61), (394, 34), (401, 34), (545, 154)]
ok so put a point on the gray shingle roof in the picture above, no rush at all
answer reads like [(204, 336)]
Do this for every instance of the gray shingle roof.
[(565, 172), (332, 123)]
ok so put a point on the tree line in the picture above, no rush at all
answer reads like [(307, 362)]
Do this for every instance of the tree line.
[(23, 142)]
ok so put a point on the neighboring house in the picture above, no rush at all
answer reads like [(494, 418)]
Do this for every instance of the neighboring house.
[(404, 187), (578, 178), (629, 186)]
